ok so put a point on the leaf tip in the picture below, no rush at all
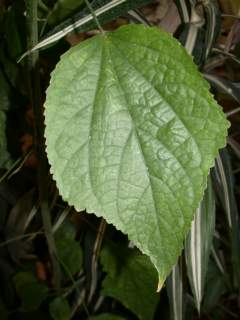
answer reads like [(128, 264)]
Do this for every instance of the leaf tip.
[(160, 284)]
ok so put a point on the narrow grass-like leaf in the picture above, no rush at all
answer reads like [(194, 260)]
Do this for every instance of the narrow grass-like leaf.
[(198, 245), (224, 86), (213, 23), (193, 3), (234, 145), (225, 180), (214, 289), (226, 54), (137, 17), (194, 32), (175, 292), (217, 260), (84, 21), (183, 9), (134, 135)]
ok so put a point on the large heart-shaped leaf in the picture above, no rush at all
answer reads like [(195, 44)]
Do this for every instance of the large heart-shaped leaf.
[(131, 132)]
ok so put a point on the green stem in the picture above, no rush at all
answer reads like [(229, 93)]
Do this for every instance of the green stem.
[(39, 143), (95, 17), (96, 251), (21, 237)]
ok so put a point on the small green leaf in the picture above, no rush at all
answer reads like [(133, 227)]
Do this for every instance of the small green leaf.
[(68, 249), (63, 8), (130, 279), (59, 309), (106, 316), (215, 288), (30, 290), (13, 29), (131, 133)]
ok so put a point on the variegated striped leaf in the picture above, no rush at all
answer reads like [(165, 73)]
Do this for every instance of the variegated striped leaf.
[(174, 285), (198, 245), (84, 20), (225, 182), (183, 10), (213, 23)]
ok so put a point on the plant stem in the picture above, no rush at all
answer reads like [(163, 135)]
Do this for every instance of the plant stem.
[(21, 237), (39, 143), (95, 17), (96, 251)]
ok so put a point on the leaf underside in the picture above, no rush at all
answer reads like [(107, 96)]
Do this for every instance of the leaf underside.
[(131, 133)]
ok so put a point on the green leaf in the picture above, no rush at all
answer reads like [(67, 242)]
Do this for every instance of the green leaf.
[(63, 8), (131, 132), (8, 76), (106, 316), (13, 30), (68, 249), (105, 11), (224, 178), (215, 288), (213, 24), (59, 309), (175, 292), (198, 245), (30, 290), (130, 279), (183, 10)]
